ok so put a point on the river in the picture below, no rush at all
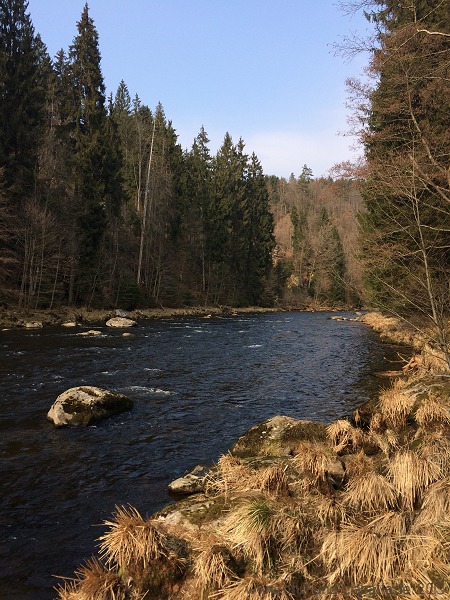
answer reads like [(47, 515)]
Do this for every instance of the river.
[(197, 384)]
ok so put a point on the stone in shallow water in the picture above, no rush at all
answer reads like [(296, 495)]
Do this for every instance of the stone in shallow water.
[(87, 405), (120, 322)]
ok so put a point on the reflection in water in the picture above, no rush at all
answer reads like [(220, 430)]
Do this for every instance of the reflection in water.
[(197, 385)]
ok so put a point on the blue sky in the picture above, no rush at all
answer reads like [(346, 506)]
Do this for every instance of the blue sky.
[(263, 70)]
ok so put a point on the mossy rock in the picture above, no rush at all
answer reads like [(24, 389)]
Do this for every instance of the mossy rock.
[(278, 436)]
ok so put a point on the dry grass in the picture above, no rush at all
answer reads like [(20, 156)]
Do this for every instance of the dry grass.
[(410, 475), (93, 582), (214, 569), (436, 449), (396, 406), (370, 492), (313, 459), (133, 541), (232, 477), (364, 555), (273, 481), (342, 435), (431, 413), (256, 588), (249, 528)]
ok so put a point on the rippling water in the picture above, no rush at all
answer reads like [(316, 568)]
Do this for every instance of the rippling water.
[(197, 385)]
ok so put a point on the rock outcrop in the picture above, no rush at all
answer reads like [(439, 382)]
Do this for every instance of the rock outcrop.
[(191, 483), (87, 405)]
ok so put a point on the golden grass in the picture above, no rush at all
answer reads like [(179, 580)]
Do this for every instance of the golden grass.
[(273, 481), (232, 477), (249, 528), (213, 569), (431, 413), (313, 459), (370, 492), (396, 406), (256, 588), (93, 582), (342, 435), (364, 555), (131, 540), (436, 449), (411, 474)]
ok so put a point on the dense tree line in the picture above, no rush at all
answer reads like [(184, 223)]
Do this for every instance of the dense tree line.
[(316, 259), (405, 129), (100, 205)]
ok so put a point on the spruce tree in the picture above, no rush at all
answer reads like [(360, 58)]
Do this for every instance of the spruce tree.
[(22, 99), (87, 132)]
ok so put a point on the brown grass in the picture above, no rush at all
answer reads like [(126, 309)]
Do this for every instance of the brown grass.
[(214, 569), (396, 406), (249, 528), (370, 492), (410, 475), (93, 582), (342, 435), (431, 413), (364, 555), (313, 459), (256, 588), (131, 540)]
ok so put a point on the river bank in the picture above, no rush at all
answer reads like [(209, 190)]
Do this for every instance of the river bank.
[(10, 318), (357, 508)]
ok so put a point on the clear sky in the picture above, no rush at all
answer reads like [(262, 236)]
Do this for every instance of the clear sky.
[(263, 70)]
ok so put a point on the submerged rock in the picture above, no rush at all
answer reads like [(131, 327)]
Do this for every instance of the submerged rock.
[(121, 322), (86, 405)]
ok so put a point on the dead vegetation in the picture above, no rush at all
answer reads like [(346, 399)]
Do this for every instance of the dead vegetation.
[(294, 526)]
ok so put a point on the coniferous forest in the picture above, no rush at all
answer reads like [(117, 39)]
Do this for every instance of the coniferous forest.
[(101, 206)]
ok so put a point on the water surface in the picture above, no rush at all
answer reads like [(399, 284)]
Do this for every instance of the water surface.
[(197, 385)]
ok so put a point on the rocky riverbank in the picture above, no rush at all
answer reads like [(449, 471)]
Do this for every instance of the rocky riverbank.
[(358, 508), (10, 318)]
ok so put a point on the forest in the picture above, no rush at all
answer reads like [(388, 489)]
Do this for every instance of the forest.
[(100, 206)]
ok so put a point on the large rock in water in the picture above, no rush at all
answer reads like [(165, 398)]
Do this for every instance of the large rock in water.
[(86, 405), (120, 322)]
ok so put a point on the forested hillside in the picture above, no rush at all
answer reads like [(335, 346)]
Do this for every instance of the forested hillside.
[(99, 203)]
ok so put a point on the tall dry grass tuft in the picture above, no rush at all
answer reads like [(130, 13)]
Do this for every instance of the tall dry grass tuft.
[(395, 406), (436, 449), (365, 555), (313, 459), (343, 435), (370, 492), (330, 511), (257, 588), (432, 413), (249, 527), (230, 476), (273, 481), (131, 540), (410, 475), (214, 569), (295, 529), (94, 582)]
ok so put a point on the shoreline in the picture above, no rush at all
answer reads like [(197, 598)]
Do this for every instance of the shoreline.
[(15, 318)]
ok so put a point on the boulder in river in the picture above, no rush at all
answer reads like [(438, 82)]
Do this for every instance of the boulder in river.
[(86, 405), (121, 322)]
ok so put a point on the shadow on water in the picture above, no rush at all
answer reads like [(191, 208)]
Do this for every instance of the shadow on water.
[(197, 384)]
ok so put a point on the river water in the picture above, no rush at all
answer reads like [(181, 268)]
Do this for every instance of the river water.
[(197, 384)]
